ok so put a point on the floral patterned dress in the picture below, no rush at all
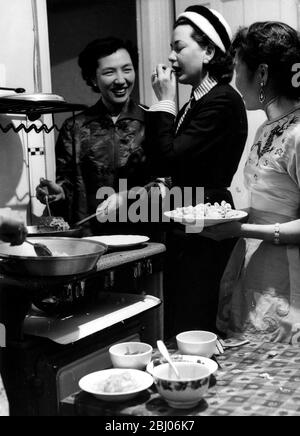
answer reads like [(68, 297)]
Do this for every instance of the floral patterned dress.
[(260, 289), (3, 400)]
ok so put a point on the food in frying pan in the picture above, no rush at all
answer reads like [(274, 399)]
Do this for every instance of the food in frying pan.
[(59, 254), (56, 224)]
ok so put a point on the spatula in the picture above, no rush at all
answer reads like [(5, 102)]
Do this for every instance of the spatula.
[(90, 217), (41, 250), (47, 205)]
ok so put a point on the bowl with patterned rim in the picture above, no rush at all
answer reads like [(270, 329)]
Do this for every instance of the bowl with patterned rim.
[(210, 364), (185, 391)]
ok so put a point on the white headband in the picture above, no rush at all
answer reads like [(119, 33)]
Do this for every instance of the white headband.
[(203, 24)]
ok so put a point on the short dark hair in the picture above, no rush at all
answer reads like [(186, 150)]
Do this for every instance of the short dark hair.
[(275, 44), (221, 67), (99, 48)]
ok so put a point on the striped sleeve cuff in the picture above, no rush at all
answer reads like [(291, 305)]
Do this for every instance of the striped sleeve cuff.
[(164, 106)]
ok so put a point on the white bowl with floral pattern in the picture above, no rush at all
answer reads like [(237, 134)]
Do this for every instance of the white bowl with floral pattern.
[(186, 391)]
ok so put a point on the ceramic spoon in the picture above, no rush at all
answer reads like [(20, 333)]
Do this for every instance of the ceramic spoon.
[(165, 353)]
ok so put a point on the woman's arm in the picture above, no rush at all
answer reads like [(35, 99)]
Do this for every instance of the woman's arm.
[(289, 233), (208, 125)]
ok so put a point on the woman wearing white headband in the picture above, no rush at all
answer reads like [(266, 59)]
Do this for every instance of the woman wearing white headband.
[(203, 149)]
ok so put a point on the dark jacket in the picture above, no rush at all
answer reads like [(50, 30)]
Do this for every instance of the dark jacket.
[(93, 152), (206, 150)]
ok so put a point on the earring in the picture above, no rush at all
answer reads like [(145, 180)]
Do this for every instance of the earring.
[(262, 95)]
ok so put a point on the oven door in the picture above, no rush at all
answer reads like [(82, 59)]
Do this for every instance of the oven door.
[(56, 353)]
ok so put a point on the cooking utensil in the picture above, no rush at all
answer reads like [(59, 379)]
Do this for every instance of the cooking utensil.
[(165, 353), (40, 249), (71, 256), (90, 217), (47, 205), (16, 90)]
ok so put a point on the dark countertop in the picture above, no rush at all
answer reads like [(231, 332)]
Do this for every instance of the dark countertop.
[(118, 258)]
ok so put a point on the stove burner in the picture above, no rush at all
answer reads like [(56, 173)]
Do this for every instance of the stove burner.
[(64, 301)]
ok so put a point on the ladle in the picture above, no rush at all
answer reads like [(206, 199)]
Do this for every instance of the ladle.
[(41, 250), (165, 353)]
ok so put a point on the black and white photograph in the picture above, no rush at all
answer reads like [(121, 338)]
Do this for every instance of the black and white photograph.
[(149, 210)]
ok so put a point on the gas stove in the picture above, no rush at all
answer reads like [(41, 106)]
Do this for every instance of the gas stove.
[(58, 333)]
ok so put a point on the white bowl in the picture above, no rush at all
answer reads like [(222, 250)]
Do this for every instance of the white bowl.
[(135, 355), (210, 364), (188, 390), (116, 384), (197, 342)]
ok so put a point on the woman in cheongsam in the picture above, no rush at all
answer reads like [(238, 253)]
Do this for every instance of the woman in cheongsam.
[(260, 289)]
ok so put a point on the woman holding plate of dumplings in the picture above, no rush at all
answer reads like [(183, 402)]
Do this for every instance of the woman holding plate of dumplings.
[(260, 289)]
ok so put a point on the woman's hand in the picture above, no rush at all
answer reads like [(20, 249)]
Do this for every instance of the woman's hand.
[(223, 231), (12, 231), (164, 83), (111, 205), (49, 189)]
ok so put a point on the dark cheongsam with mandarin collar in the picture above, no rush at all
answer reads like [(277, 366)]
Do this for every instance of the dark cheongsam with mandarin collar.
[(106, 151)]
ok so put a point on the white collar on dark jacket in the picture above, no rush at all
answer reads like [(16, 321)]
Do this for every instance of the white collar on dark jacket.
[(207, 84)]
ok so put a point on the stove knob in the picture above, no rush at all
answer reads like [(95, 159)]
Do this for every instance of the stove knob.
[(149, 267)]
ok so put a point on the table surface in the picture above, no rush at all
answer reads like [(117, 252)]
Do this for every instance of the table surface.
[(254, 380), (125, 256)]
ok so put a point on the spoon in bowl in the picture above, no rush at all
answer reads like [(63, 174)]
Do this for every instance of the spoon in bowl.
[(165, 353)]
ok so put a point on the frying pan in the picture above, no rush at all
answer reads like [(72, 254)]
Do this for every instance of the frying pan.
[(76, 232), (71, 256), (43, 231)]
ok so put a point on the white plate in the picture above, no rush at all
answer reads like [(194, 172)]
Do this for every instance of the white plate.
[(211, 365), (120, 241), (35, 97), (190, 220), (95, 382)]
